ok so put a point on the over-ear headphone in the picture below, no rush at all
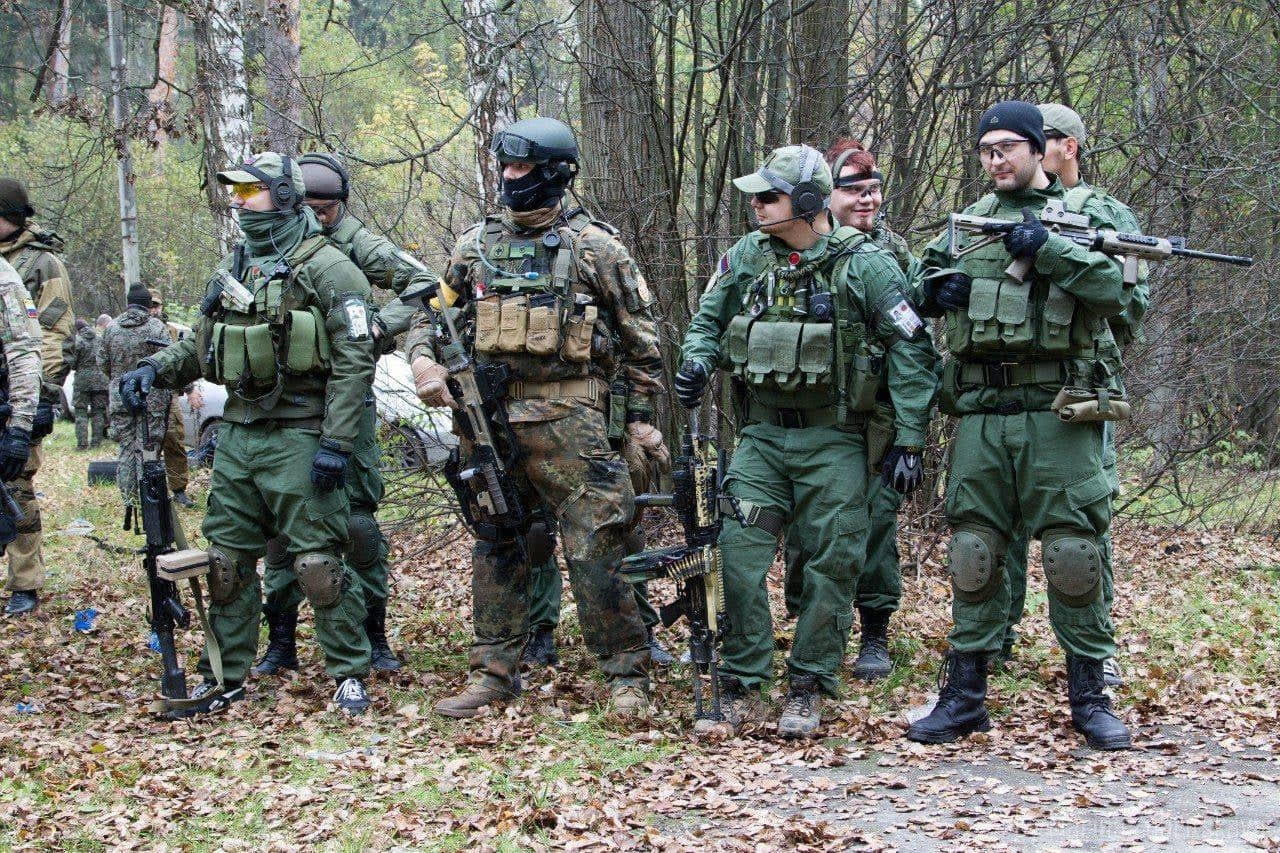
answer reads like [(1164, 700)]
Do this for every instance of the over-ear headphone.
[(807, 198), (280, 188)]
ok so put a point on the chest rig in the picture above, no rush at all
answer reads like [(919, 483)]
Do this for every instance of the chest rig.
[(252, 348), (526, 304), (798, 342), (1032, 319)]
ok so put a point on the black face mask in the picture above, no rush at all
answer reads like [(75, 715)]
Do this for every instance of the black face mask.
[(542, 187)]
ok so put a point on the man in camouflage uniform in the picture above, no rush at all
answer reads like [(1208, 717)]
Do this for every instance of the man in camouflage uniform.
[(386, 267), (556, 297), (173, 449), (20, 378), (1065, 137), (124, 344), (33, 252), (808, 318), (284, 326), (1026, 319), (89, 400)]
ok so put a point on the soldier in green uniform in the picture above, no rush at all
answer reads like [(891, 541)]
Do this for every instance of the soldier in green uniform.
[(34, 252), (89, 400), (386, 267), (284, 325), (1065, 137), (20, 378), (554, 296), (808, 318), (1018, 334)]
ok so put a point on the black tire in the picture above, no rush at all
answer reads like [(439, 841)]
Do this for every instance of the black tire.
[(207, 444), (102, 472)]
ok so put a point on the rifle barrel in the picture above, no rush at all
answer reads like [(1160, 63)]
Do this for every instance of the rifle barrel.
[(1237, 260)]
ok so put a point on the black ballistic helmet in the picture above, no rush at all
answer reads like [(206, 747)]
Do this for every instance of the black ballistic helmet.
[(325, 177), (546, 144)]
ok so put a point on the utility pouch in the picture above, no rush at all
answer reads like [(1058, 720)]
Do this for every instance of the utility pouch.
[(880, 434), (865, 376), (984, 329), (577, 336), (261, 353), (487, 314), (228, 353), (735, 344), (1012, 314), (617, 412), (772, 355), (817, 344), (544, 324), (513, 324), (307, 342), (1055, 327), (1090, 405)]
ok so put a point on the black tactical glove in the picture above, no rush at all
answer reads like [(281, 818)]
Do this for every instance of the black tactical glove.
[(903, 470), (135, 386), (691, 381), (1025, 239), (949, 293), (43, 423), (330, 467), (15, 450)]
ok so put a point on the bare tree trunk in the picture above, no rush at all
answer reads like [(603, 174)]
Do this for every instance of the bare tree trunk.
[(124, 165), (488, 86), (56, 81), (161, 94), (281, 70), (222, 97), (821, 73)]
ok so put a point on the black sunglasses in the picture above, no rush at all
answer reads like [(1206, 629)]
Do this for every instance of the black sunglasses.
[(767, 197)]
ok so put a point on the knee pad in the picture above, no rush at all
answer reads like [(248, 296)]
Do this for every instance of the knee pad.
[(320, 576), (365, 541), (1072, 565), (225, 579), (976, 562), (277, 551)]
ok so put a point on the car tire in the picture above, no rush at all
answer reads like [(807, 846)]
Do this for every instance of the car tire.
[(102, 472), (207, 445)]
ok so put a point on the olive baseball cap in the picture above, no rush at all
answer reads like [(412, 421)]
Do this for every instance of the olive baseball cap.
[(1059, 118), (269, 163), (785, 167)]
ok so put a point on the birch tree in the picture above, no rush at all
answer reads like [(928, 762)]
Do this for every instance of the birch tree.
[(489, 86)]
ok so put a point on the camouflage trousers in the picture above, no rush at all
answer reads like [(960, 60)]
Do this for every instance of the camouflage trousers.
[(90, 407), (26, 560), (569, 467)]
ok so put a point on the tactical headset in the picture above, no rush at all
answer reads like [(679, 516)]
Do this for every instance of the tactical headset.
[(335, 165), (807, 198), (283, 195), (852, 179)]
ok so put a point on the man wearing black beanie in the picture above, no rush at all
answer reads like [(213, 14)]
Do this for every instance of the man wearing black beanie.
[(1018, 335)]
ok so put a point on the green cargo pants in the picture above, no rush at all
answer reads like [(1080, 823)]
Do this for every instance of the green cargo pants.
[(1016, 558), (366, 551), (1028, 469), (816, 478), (261, 488), (880, 581)]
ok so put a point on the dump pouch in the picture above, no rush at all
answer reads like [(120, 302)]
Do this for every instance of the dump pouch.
[(864, 377), (1090, 405)]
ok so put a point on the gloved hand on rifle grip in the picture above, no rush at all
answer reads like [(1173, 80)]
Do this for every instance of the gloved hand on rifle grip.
[(431, 382), (947, 293), (646, 441), (1025, 239), (135, 386), (329, 468), (691, 381), (15, 450), (902, 470)]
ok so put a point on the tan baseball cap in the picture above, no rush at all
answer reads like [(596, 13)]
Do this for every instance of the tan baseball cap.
[(1059, 118)]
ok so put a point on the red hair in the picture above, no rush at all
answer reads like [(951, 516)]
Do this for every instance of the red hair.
[(861, 159)]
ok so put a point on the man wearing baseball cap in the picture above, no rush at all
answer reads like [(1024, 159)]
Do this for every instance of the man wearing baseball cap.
[(1065, 140), (802, 314)]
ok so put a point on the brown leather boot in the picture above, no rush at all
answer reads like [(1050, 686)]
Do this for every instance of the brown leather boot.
[(629, 699), (479, 693)]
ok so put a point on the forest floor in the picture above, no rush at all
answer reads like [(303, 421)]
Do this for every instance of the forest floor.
[(83, 765)]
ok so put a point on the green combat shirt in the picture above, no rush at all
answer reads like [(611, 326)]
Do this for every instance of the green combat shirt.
[(1095, 291), (873, 278), (330, 282), (384, 266)]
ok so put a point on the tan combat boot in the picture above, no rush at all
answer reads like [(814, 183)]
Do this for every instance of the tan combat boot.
[(478, 694), (739, 705), (802, 713), (629, 699)]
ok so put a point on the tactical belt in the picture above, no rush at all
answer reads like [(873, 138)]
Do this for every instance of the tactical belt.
[(753, 515), (1006, 374), (588, 390), (801, 418)]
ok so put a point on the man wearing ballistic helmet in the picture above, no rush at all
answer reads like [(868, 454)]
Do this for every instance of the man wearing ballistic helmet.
[(808, 318), (284, 325), (554, 296), (385, 266)]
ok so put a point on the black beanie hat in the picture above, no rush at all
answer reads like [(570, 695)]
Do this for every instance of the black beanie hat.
[(1020, 117), (139, 295)]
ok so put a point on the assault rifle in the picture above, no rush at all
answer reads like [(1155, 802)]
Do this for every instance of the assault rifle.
[(10, 513), (1129, 248), (695, 566), (490, 503), (153, 517)]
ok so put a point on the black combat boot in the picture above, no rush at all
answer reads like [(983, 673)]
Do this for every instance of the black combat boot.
[(22, 602), (375, 626), (873, 648), (1091, 708), (282, 646), (961, 707), (540, 650)]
